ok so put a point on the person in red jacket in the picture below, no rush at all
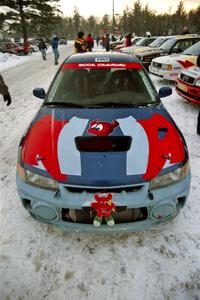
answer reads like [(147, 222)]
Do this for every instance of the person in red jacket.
[(128, 40), (90, 42)]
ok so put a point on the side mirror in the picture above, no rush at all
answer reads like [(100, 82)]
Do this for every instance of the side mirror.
[(39, 93), (165, 91)]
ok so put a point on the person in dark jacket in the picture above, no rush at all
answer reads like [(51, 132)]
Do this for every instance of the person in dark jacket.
[(80, 43), (90, 42), (42, 47), (107, 42), (185, 30), (4, 91), (54, 45), (97, 40)]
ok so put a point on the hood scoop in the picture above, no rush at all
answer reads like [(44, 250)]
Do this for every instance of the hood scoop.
[(103, 143)]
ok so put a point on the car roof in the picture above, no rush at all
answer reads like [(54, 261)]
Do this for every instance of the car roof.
[(104, 56), (186, 36)]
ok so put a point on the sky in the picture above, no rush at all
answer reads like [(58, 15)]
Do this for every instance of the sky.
[(102, 7)]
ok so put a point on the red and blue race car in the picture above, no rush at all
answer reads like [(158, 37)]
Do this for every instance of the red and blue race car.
[(103, 154)]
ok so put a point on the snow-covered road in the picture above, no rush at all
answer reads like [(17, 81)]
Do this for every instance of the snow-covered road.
[(38, 261)]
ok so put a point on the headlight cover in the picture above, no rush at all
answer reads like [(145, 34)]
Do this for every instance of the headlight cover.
[(197, 83), (170, 178), (36, 180), (169, 67)]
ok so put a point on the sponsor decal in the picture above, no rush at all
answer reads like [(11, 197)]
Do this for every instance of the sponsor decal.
[(101, 65), (186, 63), (102, 59), (100, 128)]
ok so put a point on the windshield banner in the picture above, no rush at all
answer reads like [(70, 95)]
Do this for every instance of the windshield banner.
[(101, 65)]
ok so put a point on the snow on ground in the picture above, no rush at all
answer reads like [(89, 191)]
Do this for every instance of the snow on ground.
[(38, 261), (8, 60)]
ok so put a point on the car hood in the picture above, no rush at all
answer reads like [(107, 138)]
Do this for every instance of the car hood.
[(126, 146), (142, 49), (184, 61)]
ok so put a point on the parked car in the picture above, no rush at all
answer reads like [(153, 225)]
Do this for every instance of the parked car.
[(134, 40), (188, 84), (63, 41), (170, 66), (143, 42), (13, 48), (118, 41), (29, 48), (146, 54), (100, 151)]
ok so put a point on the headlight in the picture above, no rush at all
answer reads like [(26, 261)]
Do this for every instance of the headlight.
[(36, 180), (170, 178), (169, 67), (197, 83)]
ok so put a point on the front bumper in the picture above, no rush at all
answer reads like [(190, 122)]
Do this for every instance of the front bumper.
[(190, 93), (161, 206), (165, 74)]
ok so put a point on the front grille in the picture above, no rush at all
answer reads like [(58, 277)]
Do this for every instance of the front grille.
[(187, 79), (128, 189), (121, 215), (157, 65)]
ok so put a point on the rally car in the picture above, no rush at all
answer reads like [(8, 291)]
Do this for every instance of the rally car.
[(168, 67), (188, 84), (103, 155)]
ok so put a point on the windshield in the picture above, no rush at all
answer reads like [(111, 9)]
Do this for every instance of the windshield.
[(157, 42), (140, 42), (166, 46), (95, 87), (193, 50)]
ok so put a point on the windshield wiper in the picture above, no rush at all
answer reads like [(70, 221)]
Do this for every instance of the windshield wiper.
[(64, 104), (116, 104)]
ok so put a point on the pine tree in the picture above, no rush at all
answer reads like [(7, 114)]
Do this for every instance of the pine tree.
[(35, 14)]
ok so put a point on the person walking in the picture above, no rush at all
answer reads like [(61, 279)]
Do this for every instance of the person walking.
[(128, 40), (54, 45), (43, 47), (97, 40), (90, 43), (107, 42), (80, 43), (4, 91)]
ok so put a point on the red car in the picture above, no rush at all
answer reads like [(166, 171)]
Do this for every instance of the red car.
[(13, 48), (188, 84)]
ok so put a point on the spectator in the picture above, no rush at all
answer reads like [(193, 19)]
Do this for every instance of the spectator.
[(54, 45), (80, 43), (185, 30), (148, 34), (26, 47), (128, 40), (4, 91), (90, 42), (42, 47), (97, 40), (107, 42)]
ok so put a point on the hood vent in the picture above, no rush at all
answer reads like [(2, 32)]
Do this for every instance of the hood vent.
[(103, 143)]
